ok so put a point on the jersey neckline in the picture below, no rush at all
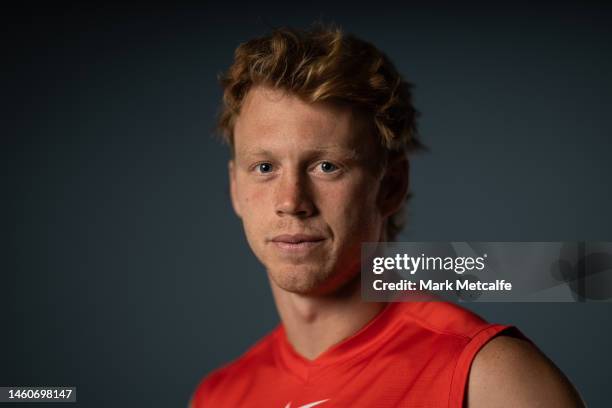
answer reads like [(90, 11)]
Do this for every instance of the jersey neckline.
[(360, 344)]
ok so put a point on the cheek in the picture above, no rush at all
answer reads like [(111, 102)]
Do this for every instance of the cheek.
[(352, 207), (249, 194), (254, 204)]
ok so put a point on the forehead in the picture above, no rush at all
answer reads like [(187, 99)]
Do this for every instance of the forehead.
[(272, 118)]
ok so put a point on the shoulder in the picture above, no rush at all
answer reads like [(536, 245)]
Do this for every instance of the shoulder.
[(444, 318), (494, 365), (230, 378), (455, 333), (510, 371)]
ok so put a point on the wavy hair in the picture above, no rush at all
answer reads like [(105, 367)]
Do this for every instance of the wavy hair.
[(324, 64)]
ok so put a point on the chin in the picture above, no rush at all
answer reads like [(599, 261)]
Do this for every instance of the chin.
[(299, 279), (310, 281)]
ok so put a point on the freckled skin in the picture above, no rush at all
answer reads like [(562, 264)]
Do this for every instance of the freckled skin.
[(279, 185)]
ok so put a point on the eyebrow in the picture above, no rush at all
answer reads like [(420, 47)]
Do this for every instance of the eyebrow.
[(346, 152)]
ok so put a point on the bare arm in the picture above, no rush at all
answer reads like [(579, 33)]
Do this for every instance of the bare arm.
[(511, 372)]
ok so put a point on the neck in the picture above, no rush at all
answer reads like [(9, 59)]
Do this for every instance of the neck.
[(315, 323)]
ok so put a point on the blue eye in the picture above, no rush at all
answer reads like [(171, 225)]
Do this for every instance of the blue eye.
[(264, 167), (328, 167)]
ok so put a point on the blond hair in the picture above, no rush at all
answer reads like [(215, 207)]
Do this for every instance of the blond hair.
[(324, 64)]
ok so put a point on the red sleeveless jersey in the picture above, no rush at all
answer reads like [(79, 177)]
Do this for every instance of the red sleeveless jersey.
[(413, 354)]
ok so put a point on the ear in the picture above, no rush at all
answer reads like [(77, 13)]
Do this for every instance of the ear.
[(232, 180), (394, 186)]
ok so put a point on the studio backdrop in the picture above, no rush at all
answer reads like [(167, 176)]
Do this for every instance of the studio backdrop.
[(125, 272)]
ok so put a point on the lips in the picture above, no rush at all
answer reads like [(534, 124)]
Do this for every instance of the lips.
[(297, 244), (297, 238)]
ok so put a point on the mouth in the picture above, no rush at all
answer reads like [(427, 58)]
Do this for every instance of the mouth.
[(298, 243)]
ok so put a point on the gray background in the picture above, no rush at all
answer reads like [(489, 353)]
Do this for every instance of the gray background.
[(124, 271)]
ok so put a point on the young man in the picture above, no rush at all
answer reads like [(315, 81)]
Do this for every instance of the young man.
[(320, 125)]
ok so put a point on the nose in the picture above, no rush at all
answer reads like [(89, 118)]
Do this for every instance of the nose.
[(293, 195)]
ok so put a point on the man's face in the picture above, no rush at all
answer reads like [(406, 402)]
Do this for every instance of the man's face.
[(305, 181)]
